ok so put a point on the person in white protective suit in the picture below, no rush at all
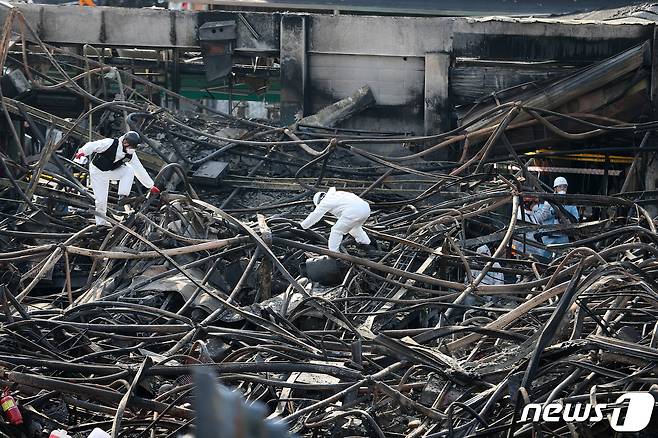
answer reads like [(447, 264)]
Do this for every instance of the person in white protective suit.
[(351, 211), (113, 160), (546, 214), (492, 278)]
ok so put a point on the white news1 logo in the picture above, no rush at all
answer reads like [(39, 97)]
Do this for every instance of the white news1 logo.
[(638, 412)]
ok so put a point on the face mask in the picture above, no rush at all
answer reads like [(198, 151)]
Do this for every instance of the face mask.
[(130, 151), (562, 192)]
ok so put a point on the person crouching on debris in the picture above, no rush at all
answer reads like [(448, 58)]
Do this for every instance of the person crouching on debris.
[(114, 159), (352, 212), (546, 214)]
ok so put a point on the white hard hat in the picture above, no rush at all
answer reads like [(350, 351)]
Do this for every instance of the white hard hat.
[(318, 197), (560, 181)]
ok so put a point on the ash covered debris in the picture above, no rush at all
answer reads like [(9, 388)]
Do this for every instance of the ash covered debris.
[(103, 327)]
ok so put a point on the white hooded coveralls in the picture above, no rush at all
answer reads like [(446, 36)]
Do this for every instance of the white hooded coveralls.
[(352, 212), (125, 174)]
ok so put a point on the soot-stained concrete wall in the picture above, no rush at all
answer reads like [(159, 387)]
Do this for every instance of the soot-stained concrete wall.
[(386, 53), (391, 55), (325, 58)]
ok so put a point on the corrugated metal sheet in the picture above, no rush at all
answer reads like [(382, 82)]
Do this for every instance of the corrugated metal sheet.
[(469, 83)]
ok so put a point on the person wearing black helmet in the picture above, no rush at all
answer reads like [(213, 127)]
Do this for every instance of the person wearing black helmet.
[(113, 159)]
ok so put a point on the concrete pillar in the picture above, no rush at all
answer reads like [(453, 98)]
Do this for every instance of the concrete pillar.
[(293, 67), (437, 68)]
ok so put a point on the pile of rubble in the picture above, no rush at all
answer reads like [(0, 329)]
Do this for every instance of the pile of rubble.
[(104, 328)]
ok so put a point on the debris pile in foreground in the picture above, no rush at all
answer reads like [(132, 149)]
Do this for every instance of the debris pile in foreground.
[(104, 327)]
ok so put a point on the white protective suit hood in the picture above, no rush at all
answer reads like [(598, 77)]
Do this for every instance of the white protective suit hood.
[(318, 197)]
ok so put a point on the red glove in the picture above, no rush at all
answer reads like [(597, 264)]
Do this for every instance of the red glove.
[(79, 155), (154, 190)]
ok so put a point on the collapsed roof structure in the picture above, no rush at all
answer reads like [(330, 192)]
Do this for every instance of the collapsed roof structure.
[(105, 328)]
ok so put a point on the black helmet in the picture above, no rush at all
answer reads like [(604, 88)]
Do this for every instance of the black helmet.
[(132, 138)]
